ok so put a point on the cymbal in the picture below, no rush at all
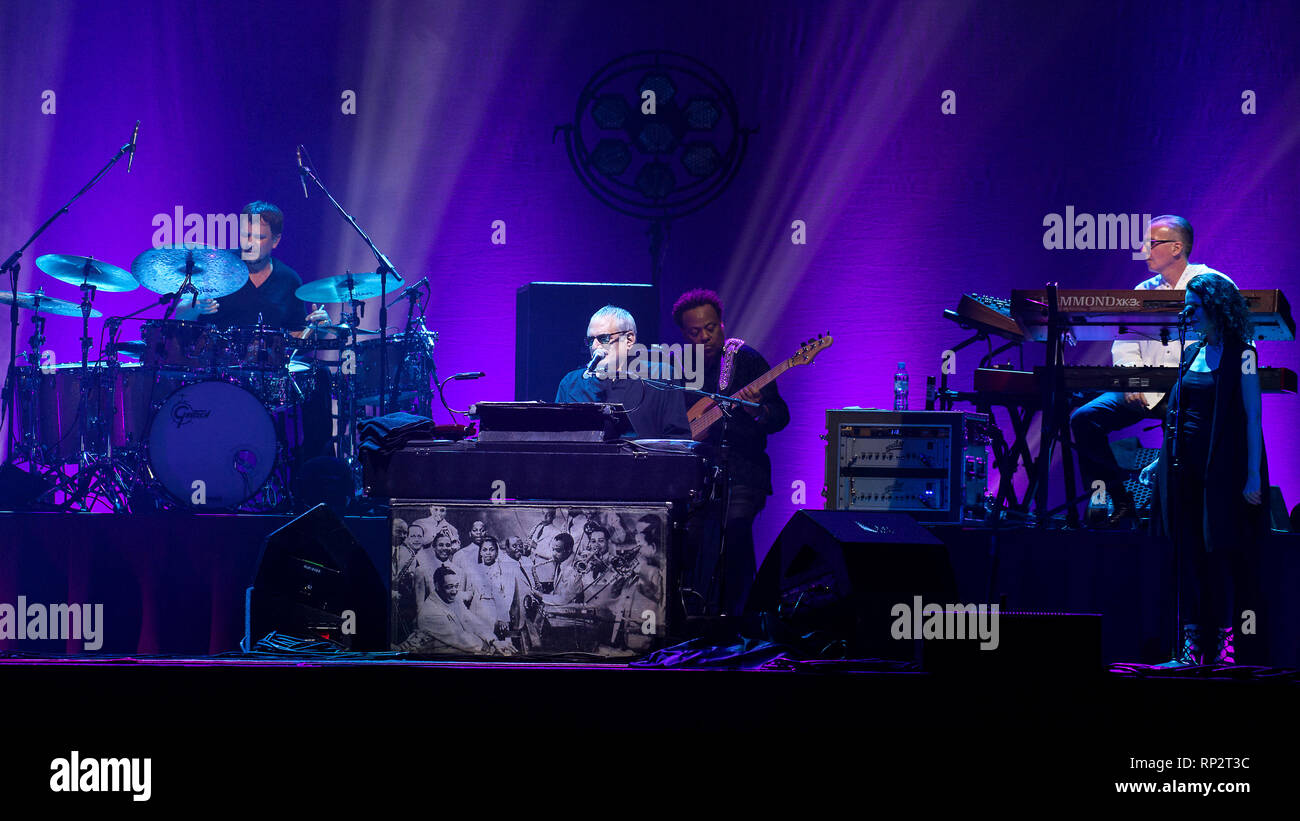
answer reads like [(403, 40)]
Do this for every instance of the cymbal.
[(217, 272), (45, 304), (73, 270), (365, 285)]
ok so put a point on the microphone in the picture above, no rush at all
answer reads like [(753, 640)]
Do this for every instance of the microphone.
[(421, 284), (470, 375), (302, 174), (1186, 313), (130, 158), (590, 371)]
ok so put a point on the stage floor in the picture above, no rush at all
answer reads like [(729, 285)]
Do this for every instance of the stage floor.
[(224, 729), (244, 731)]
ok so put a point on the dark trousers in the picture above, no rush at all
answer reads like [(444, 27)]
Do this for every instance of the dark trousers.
[(1206, 580), (700, 559), (1092, 425)]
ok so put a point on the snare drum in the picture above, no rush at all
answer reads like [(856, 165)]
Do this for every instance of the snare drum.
[(212, 445), (291, 385), (180, 346), (254, 348)]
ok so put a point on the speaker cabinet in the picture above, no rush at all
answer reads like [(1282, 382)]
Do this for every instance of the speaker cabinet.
[(551, 321), (844, 571)]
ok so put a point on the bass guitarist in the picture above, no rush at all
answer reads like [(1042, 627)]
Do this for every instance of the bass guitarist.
[(729, 366)]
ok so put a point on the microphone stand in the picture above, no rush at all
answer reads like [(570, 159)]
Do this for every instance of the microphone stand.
[(384, 269), (1172, 492), (11, 265), (727, 404)]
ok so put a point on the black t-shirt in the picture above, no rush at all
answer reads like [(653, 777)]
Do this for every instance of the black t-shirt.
[(273, 301), (655, 413), (747, 437)]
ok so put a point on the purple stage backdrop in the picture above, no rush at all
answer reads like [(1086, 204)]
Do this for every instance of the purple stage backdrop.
[(923, 145)]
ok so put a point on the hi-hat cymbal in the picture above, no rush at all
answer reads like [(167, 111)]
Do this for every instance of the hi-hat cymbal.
[(44, 304), (76, 270), (364, 285), (344, 330), (216, 272)]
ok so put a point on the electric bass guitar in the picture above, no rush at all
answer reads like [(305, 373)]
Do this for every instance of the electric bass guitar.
[(704, 413)]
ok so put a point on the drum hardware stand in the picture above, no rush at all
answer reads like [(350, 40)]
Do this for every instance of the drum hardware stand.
[(96, 470), (12, 266), (187, 287), (347, 389), (27, 386), (31, 389), (108, 471), (424, 399)]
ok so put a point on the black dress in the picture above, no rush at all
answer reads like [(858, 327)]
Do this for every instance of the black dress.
[(1216, 532)]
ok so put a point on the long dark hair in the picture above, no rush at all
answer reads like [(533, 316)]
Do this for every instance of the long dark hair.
[(1225, 307)]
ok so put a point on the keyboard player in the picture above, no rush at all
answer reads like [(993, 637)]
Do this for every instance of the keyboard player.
[(1168, 245)]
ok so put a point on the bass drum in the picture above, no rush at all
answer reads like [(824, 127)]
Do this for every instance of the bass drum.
[(212, 445)]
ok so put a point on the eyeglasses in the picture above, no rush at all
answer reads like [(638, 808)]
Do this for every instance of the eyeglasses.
[(1153, 242), (605, 339)]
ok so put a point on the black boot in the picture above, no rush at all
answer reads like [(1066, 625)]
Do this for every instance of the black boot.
[(1190, 649), (1123, 515), (1224, 650)]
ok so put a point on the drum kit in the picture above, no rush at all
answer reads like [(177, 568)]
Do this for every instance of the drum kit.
[(191, 415)]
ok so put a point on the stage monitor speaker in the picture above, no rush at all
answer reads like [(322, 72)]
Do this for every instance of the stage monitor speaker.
[(315, 581), (843, 571), (19, 489), (551, 321)]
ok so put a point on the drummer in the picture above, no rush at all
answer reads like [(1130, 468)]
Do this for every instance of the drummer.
[(268, 296)]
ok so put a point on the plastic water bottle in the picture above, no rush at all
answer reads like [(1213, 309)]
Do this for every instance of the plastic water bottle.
[(900, 387)]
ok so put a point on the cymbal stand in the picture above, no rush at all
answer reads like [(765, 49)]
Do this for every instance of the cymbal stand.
[(30, 389), (424, 399), (347, 399), (187, 287), (12, 266), (96, 471)]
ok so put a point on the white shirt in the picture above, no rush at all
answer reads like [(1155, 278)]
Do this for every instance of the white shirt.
[(1152, 352)]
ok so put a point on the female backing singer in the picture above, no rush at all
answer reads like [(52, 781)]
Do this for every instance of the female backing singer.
[(1212, 503)]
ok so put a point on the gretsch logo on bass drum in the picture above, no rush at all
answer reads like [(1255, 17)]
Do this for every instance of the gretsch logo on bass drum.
[(184, 412)]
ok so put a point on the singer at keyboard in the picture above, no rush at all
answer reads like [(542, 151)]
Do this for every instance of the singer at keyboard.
[(654, 413)]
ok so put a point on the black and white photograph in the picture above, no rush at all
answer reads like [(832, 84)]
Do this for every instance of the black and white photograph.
[(523, 580)]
